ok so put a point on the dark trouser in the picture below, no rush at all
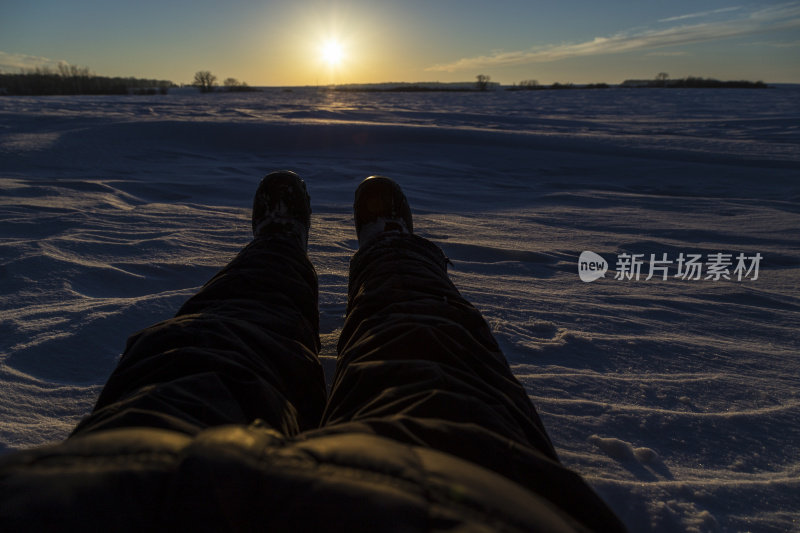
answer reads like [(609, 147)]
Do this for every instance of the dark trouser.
[(244, 348), (417, 364)]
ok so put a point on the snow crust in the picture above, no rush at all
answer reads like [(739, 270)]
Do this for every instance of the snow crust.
[(678, 400)]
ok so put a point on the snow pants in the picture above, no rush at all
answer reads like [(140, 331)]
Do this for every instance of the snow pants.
[(223, 418)]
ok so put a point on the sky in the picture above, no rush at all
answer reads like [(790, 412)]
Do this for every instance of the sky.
[(319, 42)]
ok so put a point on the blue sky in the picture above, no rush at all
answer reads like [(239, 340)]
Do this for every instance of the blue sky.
[(279, 42)]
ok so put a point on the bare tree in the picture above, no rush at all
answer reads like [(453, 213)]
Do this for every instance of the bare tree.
[(204, 81), (65, 70), (76, 77), (483, 82), (662, 77), (234, 85)]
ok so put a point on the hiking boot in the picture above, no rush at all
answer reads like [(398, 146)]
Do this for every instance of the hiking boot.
[(380, 206), (282, 207)]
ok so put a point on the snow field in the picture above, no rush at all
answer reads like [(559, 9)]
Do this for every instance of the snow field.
[(676, 399)]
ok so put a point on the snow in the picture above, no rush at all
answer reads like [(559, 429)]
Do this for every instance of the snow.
[(678, 400)]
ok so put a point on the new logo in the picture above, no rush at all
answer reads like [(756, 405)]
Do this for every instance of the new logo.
[(591, 266)]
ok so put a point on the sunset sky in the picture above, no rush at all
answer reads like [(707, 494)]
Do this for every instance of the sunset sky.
[(270, 42)]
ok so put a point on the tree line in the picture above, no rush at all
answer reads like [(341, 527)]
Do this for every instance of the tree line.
[(71, 80), (693, 82), (662, 79)]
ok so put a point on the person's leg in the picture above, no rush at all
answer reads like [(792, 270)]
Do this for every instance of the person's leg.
[(244, 348), (418, 364), (414, 349)]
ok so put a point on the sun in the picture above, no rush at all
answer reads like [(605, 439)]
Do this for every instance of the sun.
[(332, 52)]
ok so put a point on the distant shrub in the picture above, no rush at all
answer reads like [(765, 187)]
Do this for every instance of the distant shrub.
[(234, 85), (482, 82), (693, 82), (526, 85), (533, 85)]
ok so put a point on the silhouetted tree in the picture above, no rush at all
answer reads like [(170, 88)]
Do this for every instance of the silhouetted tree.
[(74, 77), (234, 85), (204, 81), (662, 78), (483, 82)]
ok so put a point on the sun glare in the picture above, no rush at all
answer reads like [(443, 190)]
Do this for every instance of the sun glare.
[(332, 53)]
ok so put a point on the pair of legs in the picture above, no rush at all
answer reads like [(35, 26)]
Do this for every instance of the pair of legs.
[(416, 362), (418, 370)]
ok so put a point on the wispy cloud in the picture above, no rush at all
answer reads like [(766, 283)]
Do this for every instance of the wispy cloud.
[(774, 18), (776, 44), (668, 54), (701, 14), (17, 62)]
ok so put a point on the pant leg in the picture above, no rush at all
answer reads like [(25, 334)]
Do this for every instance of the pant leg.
[(413, 347), (244, 348), (418, 364)]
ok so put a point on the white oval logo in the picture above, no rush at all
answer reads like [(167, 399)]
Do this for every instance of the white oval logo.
[(591, 266)]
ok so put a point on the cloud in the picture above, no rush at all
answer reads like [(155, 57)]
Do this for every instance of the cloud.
[(17, 62), (775, 18), (668, 54), (701, 14), (774, 44), (785, 45)]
